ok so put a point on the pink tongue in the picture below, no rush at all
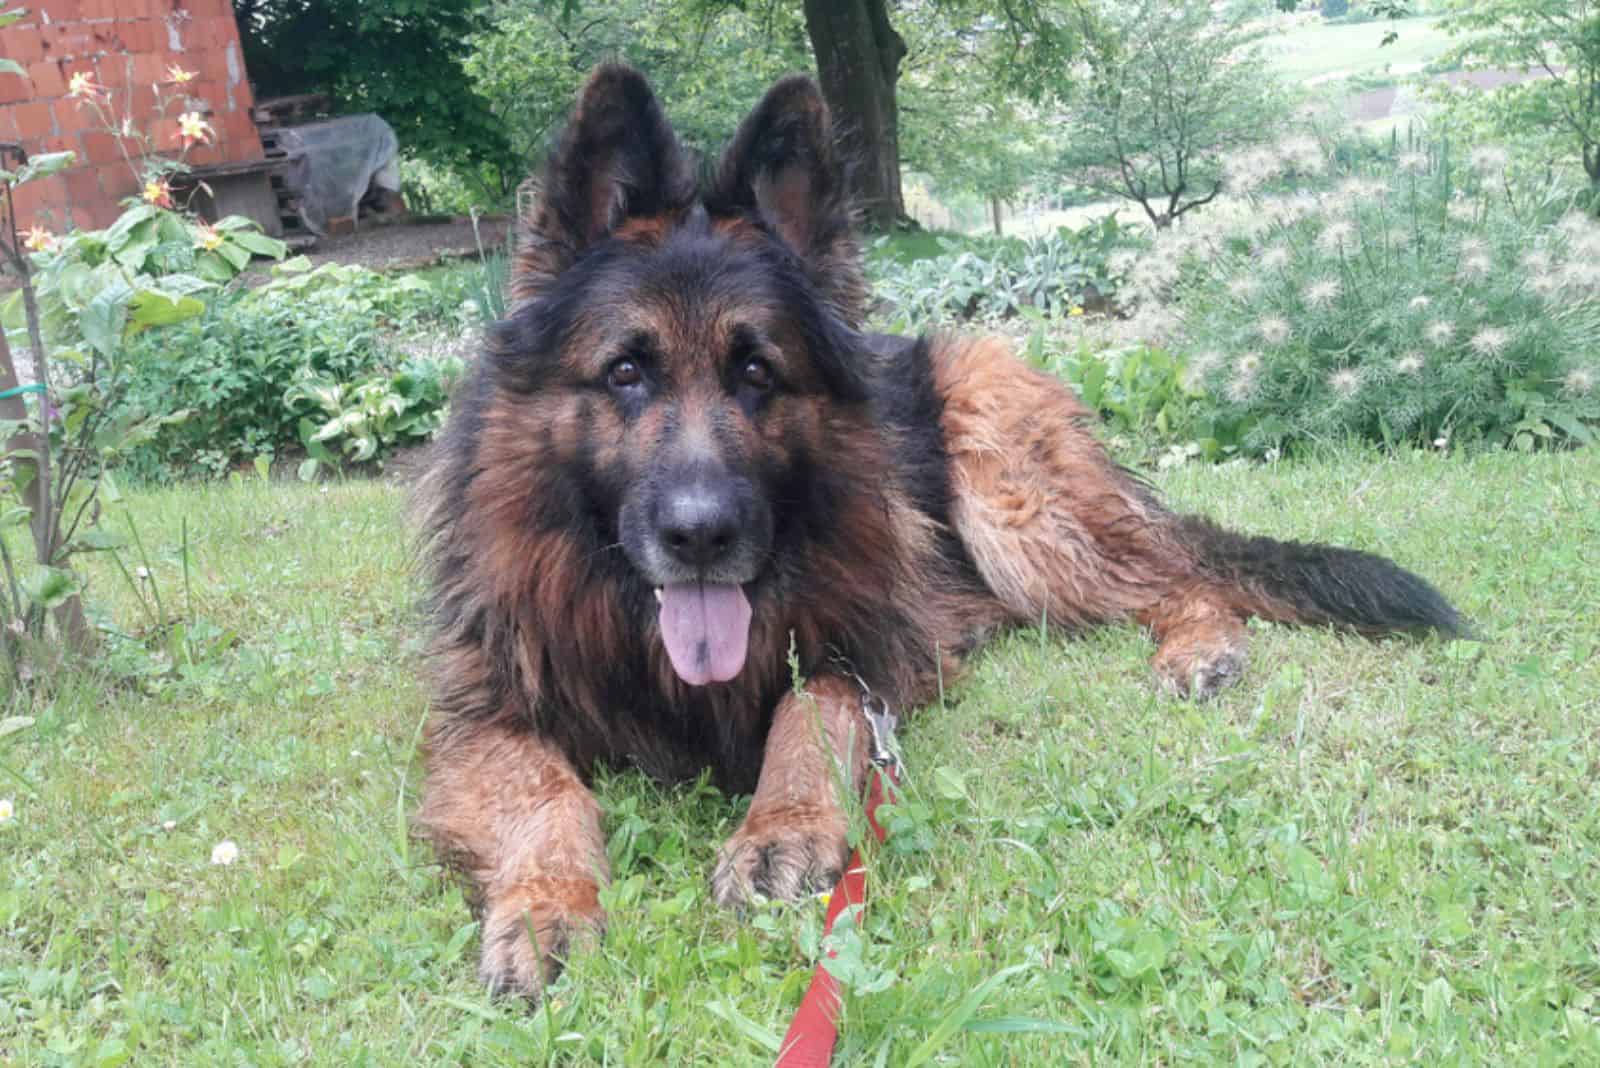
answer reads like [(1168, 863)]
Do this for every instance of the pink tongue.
[(706, 629)]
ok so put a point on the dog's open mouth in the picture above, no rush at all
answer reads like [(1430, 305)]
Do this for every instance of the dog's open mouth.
[(706, 629)]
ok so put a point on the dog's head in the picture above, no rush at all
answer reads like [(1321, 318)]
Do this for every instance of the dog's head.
[(689, 348)]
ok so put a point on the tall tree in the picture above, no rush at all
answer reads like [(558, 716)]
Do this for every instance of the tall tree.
[(1169, 87), (858, 56)]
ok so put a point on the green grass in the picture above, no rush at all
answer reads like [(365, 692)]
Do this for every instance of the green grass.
[(1367, 853), (1356, 48)]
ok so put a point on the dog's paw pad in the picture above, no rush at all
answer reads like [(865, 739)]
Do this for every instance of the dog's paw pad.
[(781, 863)]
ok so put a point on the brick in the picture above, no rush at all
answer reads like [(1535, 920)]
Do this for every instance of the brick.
[(47, 79), (14, 88), (83, 184), (22, 42), (116, 71), (119, 182), (101, 214), (149, 68), (101, 147), (41, 202), (34, 120), (8, 125), (70, 41)]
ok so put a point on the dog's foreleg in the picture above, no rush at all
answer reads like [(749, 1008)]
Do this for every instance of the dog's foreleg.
[(793, 839), (510, 811)]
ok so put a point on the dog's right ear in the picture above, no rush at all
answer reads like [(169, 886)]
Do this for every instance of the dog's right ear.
[(618, 158)]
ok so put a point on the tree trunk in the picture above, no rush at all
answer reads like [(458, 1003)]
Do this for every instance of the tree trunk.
[(994, 212), (858, 62)]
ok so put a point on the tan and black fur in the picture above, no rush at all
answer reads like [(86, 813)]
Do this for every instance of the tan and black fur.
[(898, 500)]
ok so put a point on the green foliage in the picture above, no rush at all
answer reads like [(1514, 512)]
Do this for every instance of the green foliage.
[(1424, 303), (235, 369), (1559, 40), (1167, 90), (707, 62), (999, 278), (373, 416), (1335, 9)]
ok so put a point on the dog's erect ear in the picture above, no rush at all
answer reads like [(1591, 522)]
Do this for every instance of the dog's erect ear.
[(783, 166), (617, 158)]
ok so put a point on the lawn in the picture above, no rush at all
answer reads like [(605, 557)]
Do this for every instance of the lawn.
[(1365, 854), (1318, 50)]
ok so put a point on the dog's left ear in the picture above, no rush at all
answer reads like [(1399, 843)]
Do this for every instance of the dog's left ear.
[(617, 159), (784, 167)]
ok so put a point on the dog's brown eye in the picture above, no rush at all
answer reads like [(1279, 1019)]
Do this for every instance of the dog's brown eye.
[(757, 374), (624, 373)]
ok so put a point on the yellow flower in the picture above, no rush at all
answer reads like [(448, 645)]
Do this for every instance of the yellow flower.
[(39, 240), (207, 237), (1075, 311), (7, 810), (82, 84), (177, 74), (157, 193), (192, 128)]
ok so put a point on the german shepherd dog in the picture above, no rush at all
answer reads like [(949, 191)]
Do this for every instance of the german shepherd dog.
[(681, 460)]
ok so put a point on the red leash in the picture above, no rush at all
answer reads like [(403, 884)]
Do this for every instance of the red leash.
[(811, 1037)]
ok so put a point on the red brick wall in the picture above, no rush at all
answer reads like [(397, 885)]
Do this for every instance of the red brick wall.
[(127, 45)]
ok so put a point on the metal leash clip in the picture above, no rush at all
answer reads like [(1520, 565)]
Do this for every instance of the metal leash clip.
[(881, 719)]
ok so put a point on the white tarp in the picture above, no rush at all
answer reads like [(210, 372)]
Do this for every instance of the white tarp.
[(333, 162)]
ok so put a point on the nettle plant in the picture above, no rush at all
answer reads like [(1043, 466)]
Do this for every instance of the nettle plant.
[(78, 299), (1426, 301)]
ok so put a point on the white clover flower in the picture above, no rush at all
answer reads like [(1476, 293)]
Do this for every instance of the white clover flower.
[(1275, 257), (1488, 160), (1274, 329), (1346, 382), (8, 811), (1546, 284), (224, 852), (1580, 381), (1476, 267), (1409, 363), (1489, 341), (1243, 288), (1439, 332), (1418, 303), (1336, 235), (1247, 364), (1240, 388), (1412, 162), (169, 825), (1322, 292)]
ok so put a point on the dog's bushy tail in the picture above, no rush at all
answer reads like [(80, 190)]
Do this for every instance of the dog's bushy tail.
[(1298, 582)]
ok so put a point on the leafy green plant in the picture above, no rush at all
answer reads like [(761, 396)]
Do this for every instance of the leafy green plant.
[(77, 301), (992, 279), (369, 418)]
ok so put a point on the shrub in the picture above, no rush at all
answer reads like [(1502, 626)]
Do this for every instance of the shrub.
[(998, 278), (1421, 303), (233, 368)]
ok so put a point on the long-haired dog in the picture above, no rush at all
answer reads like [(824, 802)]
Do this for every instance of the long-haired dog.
[(681, 457)]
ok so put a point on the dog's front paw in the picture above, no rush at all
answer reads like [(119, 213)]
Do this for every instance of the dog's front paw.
[(528, 933), (783, 853)]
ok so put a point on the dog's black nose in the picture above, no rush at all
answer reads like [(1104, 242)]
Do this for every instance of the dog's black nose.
[(698, 524)]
